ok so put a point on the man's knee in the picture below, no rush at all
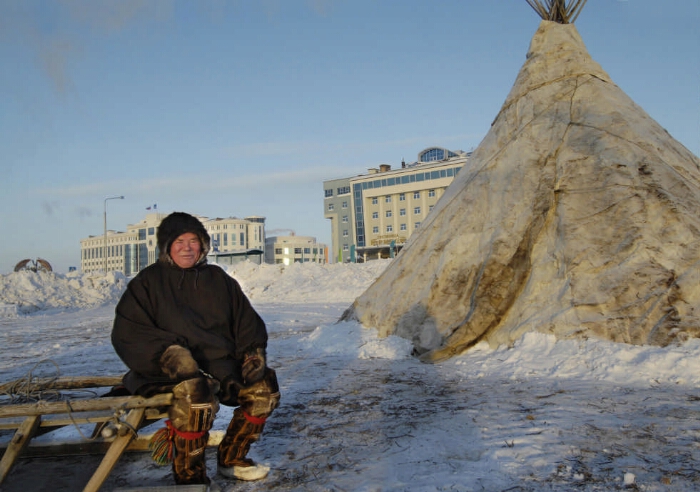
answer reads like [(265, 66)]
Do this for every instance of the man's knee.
[(261, 398), (194, 405)]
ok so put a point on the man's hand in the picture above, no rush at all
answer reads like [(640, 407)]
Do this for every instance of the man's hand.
[(177, 362), (228, 392), (253, 368)]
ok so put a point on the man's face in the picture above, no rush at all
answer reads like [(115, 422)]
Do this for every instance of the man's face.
[(185, 250)]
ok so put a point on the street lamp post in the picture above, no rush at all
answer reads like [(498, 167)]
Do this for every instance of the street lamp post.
[(104, 247)]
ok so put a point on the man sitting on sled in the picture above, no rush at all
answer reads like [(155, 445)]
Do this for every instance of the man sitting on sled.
[(187, 327)]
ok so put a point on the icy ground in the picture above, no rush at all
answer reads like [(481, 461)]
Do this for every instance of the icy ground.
[(359, 414)]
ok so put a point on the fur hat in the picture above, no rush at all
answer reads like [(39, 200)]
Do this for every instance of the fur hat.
[(175, 225)]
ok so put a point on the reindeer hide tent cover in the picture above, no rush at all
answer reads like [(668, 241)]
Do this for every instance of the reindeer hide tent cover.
[(577, 215)]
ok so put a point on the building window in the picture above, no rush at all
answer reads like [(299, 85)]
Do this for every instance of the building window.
[(345, 219), (329, 193), (375, 215), (307, 251), (387, 199), (403, 227), (430, 208), (345, 233), (375, 201), (389, 228), (402, 212), (345, 204), (331, 206), (388, 213), (375, 230), (402, 197), (297, 251), (432, 155), (431, 193), (278, 251), (416, 194), (345, 247), (417, 225), (343, 190), (416, 211)]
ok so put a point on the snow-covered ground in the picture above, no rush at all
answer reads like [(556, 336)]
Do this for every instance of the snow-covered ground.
[(359, 413)]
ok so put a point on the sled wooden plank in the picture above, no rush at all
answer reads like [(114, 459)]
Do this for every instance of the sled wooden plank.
[(99, 446), (76, 382), (116, 449), (166, 488), (55, 421), (19, 442), (104, 403)]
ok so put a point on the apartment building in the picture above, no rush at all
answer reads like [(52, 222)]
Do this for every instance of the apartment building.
[(373, 215), (290, 249), (232, 240)]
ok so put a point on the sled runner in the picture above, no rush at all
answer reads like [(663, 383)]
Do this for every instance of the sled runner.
[(116, 421)]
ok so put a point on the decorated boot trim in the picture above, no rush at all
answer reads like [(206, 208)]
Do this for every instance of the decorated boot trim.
[(162, 446), (254, 420)]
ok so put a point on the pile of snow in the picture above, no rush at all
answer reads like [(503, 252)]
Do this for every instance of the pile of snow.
[(538, 355), (306, 282), (350, 340), (26, 292)]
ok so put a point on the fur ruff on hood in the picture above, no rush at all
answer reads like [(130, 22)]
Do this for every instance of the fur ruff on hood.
[(175, 225)]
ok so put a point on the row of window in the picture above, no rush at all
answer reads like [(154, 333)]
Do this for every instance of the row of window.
[(402, 197), (343, 190), (297, 251), (410, 178), (216, 239), (402, 212), (218, 227), (390, 228), (388, 198), (332, 206), (92, 253), (280, 261)]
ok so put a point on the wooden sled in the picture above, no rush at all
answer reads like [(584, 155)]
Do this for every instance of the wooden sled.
[(120, 416)]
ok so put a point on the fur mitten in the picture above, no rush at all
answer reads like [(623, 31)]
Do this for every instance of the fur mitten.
[(177, 362), (254, 364)]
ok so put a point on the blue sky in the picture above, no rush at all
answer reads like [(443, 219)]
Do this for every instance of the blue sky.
[(238, 108)]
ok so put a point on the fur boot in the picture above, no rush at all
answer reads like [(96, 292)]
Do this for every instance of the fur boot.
[(191, 417), (243, 431), (257, 402)]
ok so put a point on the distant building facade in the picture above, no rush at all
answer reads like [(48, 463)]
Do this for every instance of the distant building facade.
[(373, 215), (232, 240), (290, 249)]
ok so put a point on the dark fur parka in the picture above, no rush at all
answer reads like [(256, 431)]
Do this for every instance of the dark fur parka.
[(200, 308)]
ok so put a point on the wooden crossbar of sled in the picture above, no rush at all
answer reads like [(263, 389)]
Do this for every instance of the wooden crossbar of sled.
[(122, 415)]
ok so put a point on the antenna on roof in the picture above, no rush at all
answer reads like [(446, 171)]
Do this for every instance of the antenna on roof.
[(561, 11)]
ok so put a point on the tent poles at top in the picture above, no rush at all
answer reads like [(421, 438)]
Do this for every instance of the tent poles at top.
[(557, 10)]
